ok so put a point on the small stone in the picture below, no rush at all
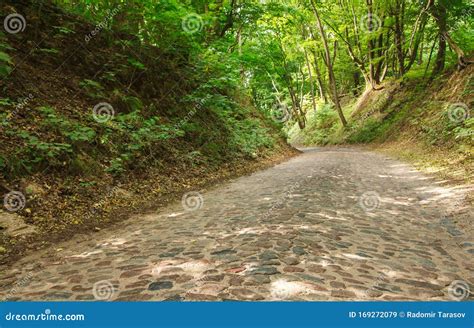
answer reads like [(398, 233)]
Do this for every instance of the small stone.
[(374, 293), (343, 293), (421, 284), (132, 273), (290, 260), (235, 270), (140, 283), (201, 297), (316, 268), (236, 281), (257, 280), (57, 296), (158, 285), (223, 252), (293, 269), (299, 250), (245, 294), (216, 277), (268, 255), (265, 270), (131, 292), (86, 297), (337, 284), (183, 278), (311, 278), (79, 288), (174, 298)]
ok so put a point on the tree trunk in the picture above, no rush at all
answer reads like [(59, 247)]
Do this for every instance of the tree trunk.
[(398, 38), (440, 13), (332, 77), (319, 77), (311, 82)]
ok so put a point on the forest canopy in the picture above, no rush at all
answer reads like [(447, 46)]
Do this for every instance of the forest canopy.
[(292, 54)]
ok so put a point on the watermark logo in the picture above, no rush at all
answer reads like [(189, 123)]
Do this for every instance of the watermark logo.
[(103, 290), (18, 285), (459, 290), (370, 23), (369, 201), (102, 25), (192, 201), (14, 201), (458, 112), (281, 113), (14, 23), (103, 112), (20, 105), (192, 23)]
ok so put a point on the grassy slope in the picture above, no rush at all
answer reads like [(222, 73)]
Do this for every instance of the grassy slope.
[(79, 174), (409, 119)]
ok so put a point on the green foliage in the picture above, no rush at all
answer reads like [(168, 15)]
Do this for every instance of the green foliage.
[(5, 64), (250, 138), (135, 63), (6, 102), (63, 30), (465, 131), (136, 140), (36, 153), (51, 51), (73, 131), (93, 88)]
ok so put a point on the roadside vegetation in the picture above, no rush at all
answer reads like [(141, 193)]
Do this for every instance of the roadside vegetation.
[(109, 108)]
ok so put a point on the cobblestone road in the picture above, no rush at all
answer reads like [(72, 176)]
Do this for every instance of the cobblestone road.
[(330, 224)]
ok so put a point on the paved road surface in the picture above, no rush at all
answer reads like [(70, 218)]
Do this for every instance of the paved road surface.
[(330, 224)]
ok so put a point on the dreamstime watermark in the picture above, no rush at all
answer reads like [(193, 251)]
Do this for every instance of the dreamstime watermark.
[(192, 201), (380, 103), (46, 316), (188, 116), (458, 112), (103, 290), (14, 201), (18, 285), (93, 210), (21, 103), (281, 290), (372, 290), (369, 201), (192, 23), (281, 113), (104, 24), (370, 23), (14, 23), (103, 112), (459, 290)]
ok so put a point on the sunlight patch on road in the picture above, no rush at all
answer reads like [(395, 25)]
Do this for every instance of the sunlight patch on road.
[(391, 273), (86, 254), (282, 289), (193, 268), (327, 216), (173, 215), (113, 242), (354, 256)]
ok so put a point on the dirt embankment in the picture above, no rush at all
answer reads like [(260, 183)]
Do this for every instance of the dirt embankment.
[(68, 171)]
